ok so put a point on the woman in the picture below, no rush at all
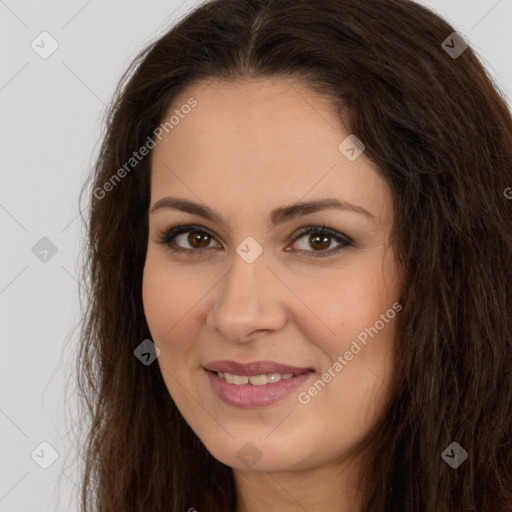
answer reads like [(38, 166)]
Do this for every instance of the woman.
[(299, 266)]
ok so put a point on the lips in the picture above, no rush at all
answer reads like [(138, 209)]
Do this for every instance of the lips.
[(238, 384), (254, 368)]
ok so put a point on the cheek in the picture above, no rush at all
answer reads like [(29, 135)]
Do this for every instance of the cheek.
[(167, 298), (349, 301)]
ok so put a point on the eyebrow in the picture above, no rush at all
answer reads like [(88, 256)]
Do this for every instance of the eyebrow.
[(277, 216)]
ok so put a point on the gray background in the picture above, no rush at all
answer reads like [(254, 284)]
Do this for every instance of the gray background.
[(51, 113)]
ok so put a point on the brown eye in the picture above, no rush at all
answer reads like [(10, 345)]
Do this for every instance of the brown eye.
[(198, 239), (320, 242), (194, 240), (188, 239)]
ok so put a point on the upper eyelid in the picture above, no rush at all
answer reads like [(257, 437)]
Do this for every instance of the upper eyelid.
[(297, 234)]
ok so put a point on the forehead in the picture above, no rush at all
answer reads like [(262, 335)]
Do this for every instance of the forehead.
[(255, 139), (232, 118)]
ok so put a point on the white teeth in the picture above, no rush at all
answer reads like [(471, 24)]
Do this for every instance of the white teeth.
[(258, 380), (255, 380), (240, 379)]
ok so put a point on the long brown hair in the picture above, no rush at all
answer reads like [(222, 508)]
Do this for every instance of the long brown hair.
[(440, 133)]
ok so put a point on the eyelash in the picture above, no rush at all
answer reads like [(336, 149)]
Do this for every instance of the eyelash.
[(167, 237)]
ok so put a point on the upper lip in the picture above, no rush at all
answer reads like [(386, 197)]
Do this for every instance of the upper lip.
[(253, 368)]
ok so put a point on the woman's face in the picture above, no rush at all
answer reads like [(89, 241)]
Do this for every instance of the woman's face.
[(254, 293)]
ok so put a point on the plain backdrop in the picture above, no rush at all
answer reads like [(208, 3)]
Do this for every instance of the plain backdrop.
[(50, 125)]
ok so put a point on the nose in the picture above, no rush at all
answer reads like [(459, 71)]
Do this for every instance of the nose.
[(249, 301)]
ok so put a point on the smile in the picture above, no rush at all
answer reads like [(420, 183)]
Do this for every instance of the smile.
[(254, 380), (257, 384)]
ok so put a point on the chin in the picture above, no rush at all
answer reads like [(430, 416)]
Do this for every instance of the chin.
[(250, 456)]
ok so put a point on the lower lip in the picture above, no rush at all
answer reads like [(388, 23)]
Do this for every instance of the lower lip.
[(247, 395)]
